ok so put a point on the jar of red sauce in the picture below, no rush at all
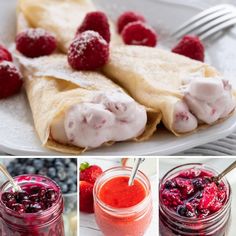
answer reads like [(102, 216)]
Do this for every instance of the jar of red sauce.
[(48, 222), (183, 222), (121, 209)]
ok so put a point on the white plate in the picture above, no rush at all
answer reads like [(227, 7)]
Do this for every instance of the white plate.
[(17, 135)]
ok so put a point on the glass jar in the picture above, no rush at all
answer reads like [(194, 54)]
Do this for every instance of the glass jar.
[(45, 223), (130, 221), (171, 223)]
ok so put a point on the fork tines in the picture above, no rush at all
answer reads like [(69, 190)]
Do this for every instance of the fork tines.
[(208, 22)]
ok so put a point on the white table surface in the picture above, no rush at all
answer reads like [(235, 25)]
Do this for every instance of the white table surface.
[(88, 226)]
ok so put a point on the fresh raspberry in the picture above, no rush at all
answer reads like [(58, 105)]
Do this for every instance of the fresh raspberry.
[(5, 55), (35, 42), (89, 51), (10, 79), (138, 33), (128, 17), (190, 46), (98, 22)]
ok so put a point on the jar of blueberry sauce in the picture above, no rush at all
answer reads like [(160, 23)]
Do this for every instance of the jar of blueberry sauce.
[(191, 204), (42, 214)]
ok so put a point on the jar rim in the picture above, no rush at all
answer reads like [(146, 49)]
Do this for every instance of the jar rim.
[(127, 210), (22, 215), (189, 219)]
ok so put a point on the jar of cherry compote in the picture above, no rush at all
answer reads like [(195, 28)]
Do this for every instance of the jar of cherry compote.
[(121, 209), (191, 204), (36, 210)]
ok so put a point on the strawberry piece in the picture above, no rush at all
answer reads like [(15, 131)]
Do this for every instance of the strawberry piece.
[(10, 79), (35, 43), (190, 46), (5, 55), (96, 21), (138, 33), (89, 51), (89, 173), (128, 17), (86, 197)]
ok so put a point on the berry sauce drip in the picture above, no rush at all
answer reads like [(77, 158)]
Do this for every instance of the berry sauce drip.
[(32, 199), (191, 193)]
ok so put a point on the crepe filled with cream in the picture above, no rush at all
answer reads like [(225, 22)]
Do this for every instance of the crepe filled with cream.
[(73, 110), (189, 94), (61, 17)]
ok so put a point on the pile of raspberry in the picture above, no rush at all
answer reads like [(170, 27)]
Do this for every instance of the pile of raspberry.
[(193, 194), (89, 50), (135, 31)]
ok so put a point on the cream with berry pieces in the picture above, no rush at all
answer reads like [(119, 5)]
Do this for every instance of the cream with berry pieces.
[(188, 93), (109, 116), (193, 203)]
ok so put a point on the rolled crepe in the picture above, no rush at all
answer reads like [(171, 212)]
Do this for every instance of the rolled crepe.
[(60, 97), (61, 17), (53, 89), (172, 84)]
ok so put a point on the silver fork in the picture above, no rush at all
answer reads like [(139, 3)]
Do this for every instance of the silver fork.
[(208, 22)]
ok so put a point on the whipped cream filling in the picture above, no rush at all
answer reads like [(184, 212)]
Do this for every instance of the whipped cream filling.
[(109, 116), (205, 100)]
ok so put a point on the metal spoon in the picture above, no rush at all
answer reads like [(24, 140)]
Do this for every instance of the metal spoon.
[(134, 171), (217, 178), (15, 186)]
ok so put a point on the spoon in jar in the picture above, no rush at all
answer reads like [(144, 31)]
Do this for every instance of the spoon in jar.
[(134, 171), (15, 186), (217, 178)]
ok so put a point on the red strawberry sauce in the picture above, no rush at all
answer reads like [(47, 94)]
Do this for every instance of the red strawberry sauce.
[(121, 209), (117, 193)]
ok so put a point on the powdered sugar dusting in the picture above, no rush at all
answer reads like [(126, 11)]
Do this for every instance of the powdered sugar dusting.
[(9, 67), (83, 40), (57, 66), (35, 33)]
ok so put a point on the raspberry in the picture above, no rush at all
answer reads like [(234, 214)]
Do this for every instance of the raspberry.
[(10, 79), (89, 51), (35, 42), (98, 22), (190, 46), (138, 33), (128, 17), (5, 55)]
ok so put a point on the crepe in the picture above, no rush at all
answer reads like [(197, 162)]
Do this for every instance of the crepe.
[(61, 17), (153, 77), (52, 87)]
